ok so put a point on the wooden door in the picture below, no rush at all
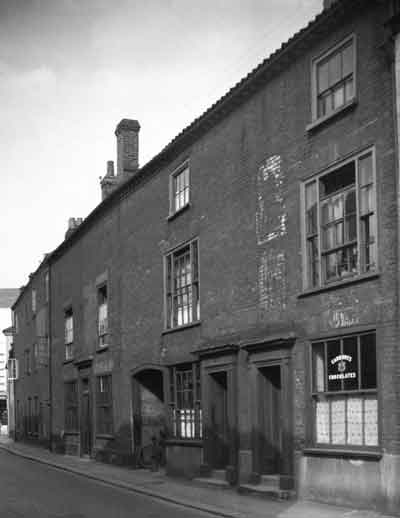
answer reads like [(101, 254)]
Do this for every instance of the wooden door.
[(219, 439), (270, 408), (86, 420)]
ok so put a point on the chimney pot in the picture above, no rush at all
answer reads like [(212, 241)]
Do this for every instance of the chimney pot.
[(110, 168), (71, 223)]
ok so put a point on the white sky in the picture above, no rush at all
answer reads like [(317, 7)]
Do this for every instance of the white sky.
[(71, 69)]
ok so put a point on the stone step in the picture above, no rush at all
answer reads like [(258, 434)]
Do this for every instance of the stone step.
[(270, 480), (266, 491), (219, 474)]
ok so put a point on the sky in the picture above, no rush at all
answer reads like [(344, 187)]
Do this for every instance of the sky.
[(70, 70)]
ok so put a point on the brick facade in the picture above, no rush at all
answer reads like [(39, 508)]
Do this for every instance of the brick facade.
[(252, 340)]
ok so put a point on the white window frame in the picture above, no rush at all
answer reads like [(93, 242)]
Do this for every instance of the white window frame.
[(173, 208), (314, 78), (170, 293)]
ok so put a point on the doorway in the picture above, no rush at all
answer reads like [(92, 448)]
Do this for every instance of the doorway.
[(219, 430), (86, 419), (270, 409), (149, 413)]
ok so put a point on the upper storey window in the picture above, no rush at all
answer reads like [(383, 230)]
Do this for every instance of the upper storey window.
[(69, 334), (179, 189), (182, 286), (340, 222), (334, 79)]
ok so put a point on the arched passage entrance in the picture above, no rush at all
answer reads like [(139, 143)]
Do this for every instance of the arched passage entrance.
[(148, 409)]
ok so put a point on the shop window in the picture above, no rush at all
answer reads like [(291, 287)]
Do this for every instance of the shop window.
[(344, 391), (185, 402), (104, 407), (182, 286), (340, 238), (71, 406)]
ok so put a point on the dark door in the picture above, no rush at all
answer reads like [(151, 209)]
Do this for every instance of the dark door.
[(86, 421), (270, 407), (219, 441)]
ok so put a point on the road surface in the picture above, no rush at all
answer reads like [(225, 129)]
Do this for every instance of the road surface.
[(32, 490)]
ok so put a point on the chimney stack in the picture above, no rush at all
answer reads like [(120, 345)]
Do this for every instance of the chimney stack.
[(127, 133), (73, 224), (328, 3), (109, 182)]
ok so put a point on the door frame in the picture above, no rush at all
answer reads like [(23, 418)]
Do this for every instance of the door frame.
[(263, 355), (86, 393), (223, 359)]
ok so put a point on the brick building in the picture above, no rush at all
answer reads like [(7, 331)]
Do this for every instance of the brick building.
[(32, 412), (237, 296)]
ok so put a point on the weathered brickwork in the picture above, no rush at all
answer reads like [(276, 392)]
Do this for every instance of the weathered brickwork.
[(31, 348), (257, 320)]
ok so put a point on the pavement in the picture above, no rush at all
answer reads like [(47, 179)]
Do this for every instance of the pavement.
[(225, 503)]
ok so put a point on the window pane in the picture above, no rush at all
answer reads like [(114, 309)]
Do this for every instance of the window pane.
[(349, 89), (335, 69), (338, 421), (331, 266), (366, 200), (347, 60), (318, 356), (323, 422), (355, 420), (348, 365), (368, 361), (334, 383), (371, 421), (338, 179), (350, 202), (365, 172), (351, 228), (338, 97), (312, 261), (323, 76)]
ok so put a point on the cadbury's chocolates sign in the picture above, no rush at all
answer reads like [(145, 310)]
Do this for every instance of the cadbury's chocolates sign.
[(341, 368)]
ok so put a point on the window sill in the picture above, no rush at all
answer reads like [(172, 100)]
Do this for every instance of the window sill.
[(184, 442), (339, 284), (322, 120), (104, 436), (70, 432), (70, 360), (179, 211), (181, 328), (374, 454), (101, 349)]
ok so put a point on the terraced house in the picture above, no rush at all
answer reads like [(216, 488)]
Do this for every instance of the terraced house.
[(238, 295)]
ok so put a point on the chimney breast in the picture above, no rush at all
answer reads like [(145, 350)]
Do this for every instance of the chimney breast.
[(127, 133)]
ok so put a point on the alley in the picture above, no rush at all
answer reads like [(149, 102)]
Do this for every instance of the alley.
[(30, 489)]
